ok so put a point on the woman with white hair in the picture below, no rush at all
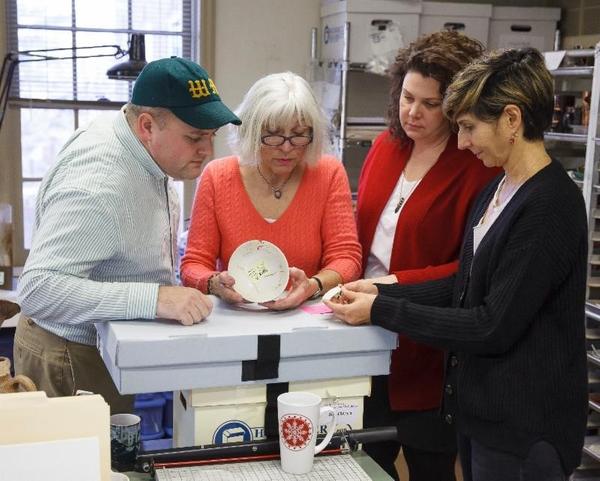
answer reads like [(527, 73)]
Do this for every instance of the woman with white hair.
[(280, 188)]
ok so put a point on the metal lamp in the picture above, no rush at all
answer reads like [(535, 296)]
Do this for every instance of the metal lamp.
[(128, 70)]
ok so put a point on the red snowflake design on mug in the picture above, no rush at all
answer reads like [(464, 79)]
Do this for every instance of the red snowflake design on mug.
[(296, 431)]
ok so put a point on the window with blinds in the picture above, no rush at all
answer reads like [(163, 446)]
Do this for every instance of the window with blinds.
[(39, 24), (55, 97)]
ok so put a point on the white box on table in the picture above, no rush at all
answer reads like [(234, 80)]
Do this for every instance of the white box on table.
[(517, 27), (471, 19), (234, 414), (366, 17), (239, 347)]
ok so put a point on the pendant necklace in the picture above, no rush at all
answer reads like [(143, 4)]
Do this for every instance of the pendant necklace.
[(403, 196), (277, 190)]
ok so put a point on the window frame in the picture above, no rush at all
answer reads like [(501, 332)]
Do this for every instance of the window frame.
[(14, 182)]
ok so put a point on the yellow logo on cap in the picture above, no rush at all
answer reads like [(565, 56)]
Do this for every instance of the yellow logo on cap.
[(199, 88)]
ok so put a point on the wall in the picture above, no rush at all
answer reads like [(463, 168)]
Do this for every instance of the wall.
[(9, 151), (580, 25), (255, 38)]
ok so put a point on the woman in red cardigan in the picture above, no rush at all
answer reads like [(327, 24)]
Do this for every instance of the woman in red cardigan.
[(414, 195)]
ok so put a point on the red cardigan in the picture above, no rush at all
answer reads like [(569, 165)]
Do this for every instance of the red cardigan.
[(426, 245)]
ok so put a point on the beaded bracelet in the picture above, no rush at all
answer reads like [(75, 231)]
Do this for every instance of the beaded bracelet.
[(208, 290)]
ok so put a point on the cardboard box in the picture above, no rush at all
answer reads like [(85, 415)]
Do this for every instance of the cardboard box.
[(233, 414), (47, 432), (219, 415), (517, 27), (346, 396), (471, 19), (236, 347), (366, 18)]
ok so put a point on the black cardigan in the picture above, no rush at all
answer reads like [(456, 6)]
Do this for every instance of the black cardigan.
[(512, 320)]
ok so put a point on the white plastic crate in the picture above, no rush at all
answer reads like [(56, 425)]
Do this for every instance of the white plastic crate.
[(517, 27), (471, 19), (367, 18)]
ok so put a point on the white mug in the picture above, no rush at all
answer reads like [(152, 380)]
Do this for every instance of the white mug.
[(299, 416)]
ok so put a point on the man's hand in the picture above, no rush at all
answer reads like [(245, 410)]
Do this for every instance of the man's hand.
[(183, 304), (356, 310)]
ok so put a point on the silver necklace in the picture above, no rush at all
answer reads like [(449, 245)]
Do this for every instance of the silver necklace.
[(500, 190), (496, 202), (403, 197), (277, 192)]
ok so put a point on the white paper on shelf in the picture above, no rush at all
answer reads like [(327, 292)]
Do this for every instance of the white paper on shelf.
[(554, 59)]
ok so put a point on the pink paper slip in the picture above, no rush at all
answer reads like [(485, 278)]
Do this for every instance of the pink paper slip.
[(319, 308)]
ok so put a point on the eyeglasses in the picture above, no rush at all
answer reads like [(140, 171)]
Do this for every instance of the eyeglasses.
[(278, 140)]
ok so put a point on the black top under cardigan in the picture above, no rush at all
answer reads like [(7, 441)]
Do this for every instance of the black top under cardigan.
[(512, 319)]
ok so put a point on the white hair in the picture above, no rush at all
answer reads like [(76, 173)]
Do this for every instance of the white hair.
[(278, 101)]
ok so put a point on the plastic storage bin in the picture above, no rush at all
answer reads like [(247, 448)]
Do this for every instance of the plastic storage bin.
[(7, 335), (168, 413), (150, 407), (156, 444)]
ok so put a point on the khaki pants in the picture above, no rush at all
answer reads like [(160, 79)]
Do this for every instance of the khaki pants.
[(60, 367)]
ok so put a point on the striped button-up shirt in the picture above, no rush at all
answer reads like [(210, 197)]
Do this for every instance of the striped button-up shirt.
[(104, 235)]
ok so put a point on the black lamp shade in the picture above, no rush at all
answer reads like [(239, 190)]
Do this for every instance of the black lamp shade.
[(130, 69)]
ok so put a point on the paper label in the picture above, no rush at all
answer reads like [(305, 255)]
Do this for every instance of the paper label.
[(317, 309)]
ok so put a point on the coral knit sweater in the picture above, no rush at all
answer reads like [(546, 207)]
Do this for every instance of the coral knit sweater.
[(317, 231), (426, 245)]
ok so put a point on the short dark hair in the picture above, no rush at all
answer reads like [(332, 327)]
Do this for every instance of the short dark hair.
[(439, 55), (516, 77)]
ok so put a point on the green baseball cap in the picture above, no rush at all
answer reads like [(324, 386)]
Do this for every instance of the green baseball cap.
[(185, 88)]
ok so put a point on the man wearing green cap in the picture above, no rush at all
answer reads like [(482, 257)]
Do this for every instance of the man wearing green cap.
[(104, 244)]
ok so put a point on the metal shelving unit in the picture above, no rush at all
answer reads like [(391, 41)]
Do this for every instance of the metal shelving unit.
[(590, 466), (591, 141), (357, 116)]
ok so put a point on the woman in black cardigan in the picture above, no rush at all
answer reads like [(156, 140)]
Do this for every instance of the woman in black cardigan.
[(512, 317)]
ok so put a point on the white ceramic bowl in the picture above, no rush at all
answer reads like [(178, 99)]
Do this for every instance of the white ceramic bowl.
[(260, 271)]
